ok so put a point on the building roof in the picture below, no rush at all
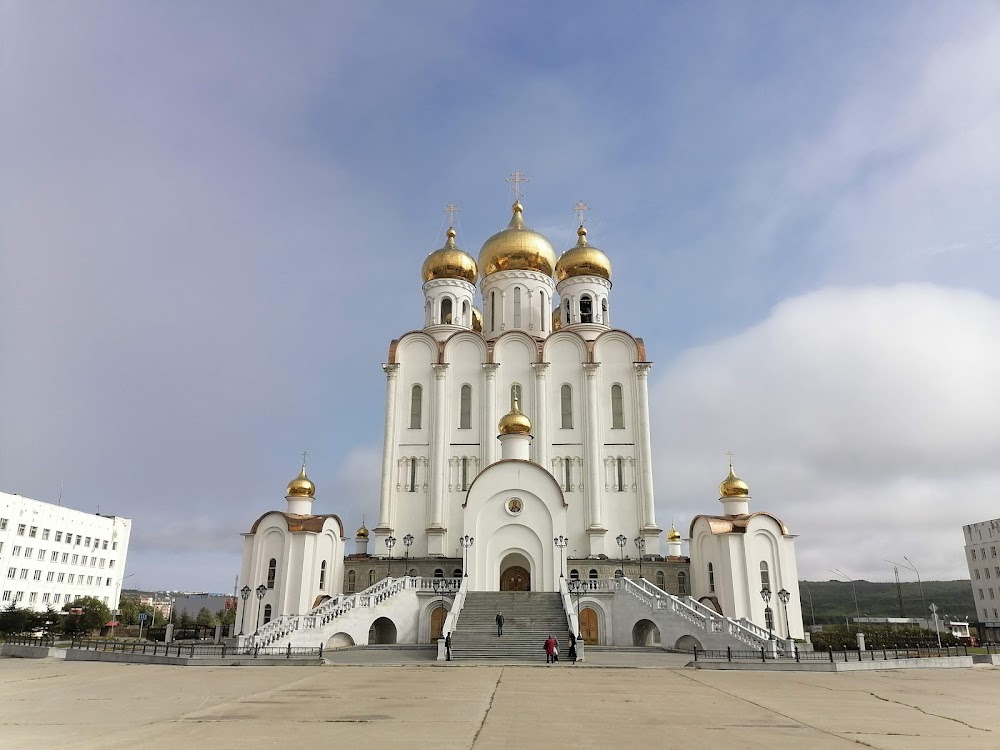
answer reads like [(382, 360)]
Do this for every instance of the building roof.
[(297, 523), (736, 524)]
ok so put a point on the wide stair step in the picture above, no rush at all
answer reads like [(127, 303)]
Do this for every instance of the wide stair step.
[(529, 618)]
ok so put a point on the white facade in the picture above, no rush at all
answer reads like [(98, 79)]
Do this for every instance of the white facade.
[(50, 555), (982, 553)]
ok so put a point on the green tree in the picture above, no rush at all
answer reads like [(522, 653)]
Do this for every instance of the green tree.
[(206, 618), (92, 615), (14, 620), (128, 611), (226, 616), (184, 620)]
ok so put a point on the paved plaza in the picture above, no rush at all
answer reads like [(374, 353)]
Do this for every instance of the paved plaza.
[(54, 704)]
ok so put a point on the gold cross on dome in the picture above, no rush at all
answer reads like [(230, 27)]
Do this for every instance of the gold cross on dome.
[(305, 455), (516, 179), (581, 209), (730, 454), (452, 210)]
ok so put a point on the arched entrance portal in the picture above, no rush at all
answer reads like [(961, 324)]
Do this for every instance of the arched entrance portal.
[(382, 631), (515, 573), (437, 623), (589, 629)]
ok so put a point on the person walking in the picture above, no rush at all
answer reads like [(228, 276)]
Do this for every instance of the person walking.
[(447, 647), (551, 649), (572, 647), (499, 624)]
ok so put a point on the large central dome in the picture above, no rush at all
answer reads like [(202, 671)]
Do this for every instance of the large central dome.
[(517, 248)]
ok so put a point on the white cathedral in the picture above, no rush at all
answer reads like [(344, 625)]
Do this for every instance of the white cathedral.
[(516, 458)]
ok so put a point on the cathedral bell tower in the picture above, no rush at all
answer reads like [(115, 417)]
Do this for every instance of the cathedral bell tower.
[(583, 276), (449, 275)]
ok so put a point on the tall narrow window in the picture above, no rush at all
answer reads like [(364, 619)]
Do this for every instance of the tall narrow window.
[(352, 581), (465, 473), (566, 315), (267, 613), (661, 579), (765, 576), (604, 313), (416, 406), (272, 571), (413, 475), (446, 310), (493, 311), (711, 579), (543, 309), (617, 408), (682, 583), (515, 395), (586, 309), (517, 307), (371, 577), (428, 313), (322, 575), (568, 465), (465, 408), (620, 473), (466, 318), (566, 406)]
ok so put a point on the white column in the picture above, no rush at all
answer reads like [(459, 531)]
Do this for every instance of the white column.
[(647, 515), (540, 419), (386, 495), (592, 457), (439, 433), (490, 414)]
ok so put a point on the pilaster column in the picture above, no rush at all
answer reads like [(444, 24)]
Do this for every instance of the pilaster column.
[(647, 515), (490, 414), (386, 496), (439, 433), (592, 453), (540, 419)]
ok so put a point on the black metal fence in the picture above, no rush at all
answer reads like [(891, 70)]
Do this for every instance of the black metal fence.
[(844, 655), (195, 650), (46, 641)]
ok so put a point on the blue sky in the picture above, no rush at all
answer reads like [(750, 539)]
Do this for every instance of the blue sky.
[(212, 220)]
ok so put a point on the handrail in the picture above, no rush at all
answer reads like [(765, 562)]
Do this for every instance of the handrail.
[(451, 621), (572, 621)]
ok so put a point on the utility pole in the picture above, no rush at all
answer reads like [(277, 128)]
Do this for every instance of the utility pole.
[(899, 591)]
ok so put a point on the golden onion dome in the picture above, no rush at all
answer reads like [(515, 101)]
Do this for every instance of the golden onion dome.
[(517, 248), (733, 486), (477, 320), (450, 262), (583, 260), (556, 319), (362, 532), (514, 422), (301, 486), (673, 535)]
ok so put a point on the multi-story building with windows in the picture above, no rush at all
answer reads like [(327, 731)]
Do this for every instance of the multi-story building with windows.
[(50, 554), (982, 553)]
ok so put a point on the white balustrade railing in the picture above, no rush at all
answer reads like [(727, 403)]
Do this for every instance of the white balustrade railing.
[(572, 621), (451, 621)]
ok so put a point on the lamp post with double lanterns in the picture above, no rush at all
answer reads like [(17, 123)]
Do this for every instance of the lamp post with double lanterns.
[(407, 541), (466, 542), (622, 541), (261, 590), (390, 542), (765, 594), (576, 587), (784, 596), (244, 594), (640, 544), (561, 542)]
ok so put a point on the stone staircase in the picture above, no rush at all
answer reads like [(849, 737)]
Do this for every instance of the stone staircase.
[(530, 617)]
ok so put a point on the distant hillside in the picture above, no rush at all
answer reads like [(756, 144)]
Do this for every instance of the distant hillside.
[(833, 601)]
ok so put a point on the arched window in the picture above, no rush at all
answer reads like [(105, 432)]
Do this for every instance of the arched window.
[(586, 309), (446, 310), (604, 313), (267, 613), (456, 573), (617, 408), (566, 406), (567, 316), (515, 395), (416, 406), (711, 578), (466, 319), (661, 579), (352, 581), (493, 311), (517, 307), (465, 408), (619, 573), (765, 576), (543, 310), (322, 575), (428, 308), (592, 575), (438, 573), (465, 473), (682, 583), (620, 474), (272, 571), (371, 577), (574, 575)]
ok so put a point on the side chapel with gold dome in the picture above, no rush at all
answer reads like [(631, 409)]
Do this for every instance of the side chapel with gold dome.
[(516, 457)]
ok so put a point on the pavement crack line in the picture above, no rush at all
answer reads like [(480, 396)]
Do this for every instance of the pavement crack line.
[(778, 713), (928, 713), (489, 708)]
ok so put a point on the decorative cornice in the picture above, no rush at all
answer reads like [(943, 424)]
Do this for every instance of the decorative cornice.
[(428, 285), (540, 368)]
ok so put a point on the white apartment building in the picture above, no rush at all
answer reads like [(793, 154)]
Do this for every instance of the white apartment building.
[(50, 554), (982, 553)]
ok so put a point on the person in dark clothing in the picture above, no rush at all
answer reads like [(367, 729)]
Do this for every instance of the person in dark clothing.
[(499, 624), (447, 646), (572, 647)]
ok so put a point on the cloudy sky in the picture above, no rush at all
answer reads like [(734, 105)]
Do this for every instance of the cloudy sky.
[(213, 215)]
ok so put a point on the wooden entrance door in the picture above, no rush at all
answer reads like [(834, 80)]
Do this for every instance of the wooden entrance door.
[(437, 623), (589, 630), (515, 578)]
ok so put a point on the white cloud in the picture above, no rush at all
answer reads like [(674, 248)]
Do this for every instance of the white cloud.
[(867, 418)]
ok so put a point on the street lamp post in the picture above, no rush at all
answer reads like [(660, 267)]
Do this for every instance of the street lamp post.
[(561, 542), (407, 541), (576, 587), (765, 594), (784, 596), (466, 542), (640, 544), (245, 594), (390, 542), (622, 541), (261, 590), (842, 574)]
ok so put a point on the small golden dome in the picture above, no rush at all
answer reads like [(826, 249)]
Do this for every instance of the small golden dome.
[(517, 248), (673, 535), (362, 532), (556, 319), (514, 422), (583, 260), (301, 486), (450, 262), (477, 320), (733, 486)]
